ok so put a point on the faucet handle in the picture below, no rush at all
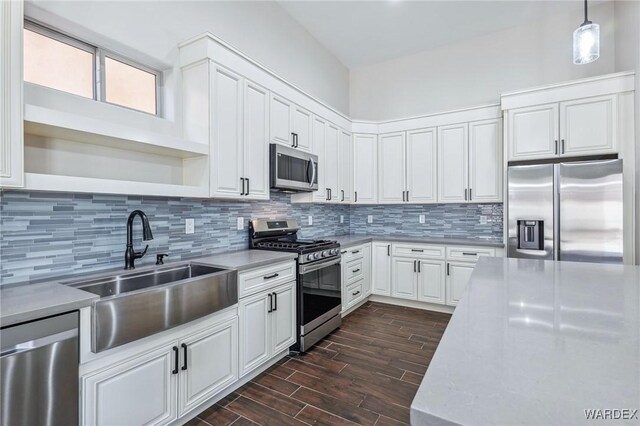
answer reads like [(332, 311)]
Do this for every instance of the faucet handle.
[(139, 254), (160, 258)]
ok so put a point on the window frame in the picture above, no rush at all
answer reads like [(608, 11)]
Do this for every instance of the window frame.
[(99, 69)]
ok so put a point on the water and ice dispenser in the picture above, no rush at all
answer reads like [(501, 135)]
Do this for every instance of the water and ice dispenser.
[(531, 234)]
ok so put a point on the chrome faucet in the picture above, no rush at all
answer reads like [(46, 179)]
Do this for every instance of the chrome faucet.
[(130, 255)]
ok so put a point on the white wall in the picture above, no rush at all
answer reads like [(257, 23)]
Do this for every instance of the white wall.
[(627, 36), (475, 72), (150, 31)]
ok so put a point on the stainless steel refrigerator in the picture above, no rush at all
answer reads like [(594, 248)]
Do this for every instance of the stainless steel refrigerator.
[(566, 211)]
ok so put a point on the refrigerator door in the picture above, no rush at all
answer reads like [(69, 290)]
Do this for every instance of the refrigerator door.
[(530, 212), (590, 211)]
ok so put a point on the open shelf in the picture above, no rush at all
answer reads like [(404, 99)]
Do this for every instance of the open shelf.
[(52, 123)]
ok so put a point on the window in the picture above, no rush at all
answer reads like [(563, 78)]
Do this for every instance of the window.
[(55, 60)]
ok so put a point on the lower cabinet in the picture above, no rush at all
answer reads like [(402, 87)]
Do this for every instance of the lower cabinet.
[(267, 325), (381, 268), (366, 267), (404, 278), (458, 274), (145, 390), (418, 279)]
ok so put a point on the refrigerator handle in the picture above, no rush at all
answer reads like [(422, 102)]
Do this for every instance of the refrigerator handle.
[(556, 212)]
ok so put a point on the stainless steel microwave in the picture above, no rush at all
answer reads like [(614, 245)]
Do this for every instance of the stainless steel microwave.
[(293, 170)]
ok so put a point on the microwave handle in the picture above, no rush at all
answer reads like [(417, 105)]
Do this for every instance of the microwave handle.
[(313, 175)]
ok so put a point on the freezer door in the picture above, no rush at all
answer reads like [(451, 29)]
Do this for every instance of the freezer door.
[(530, 213), (590, 211)]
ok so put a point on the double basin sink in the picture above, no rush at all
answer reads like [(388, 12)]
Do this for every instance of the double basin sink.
[(134, 305)]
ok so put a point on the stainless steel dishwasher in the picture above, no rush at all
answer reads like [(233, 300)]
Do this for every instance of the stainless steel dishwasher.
[(39, 372)]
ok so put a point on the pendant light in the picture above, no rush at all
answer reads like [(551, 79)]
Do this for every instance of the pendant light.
[(586, 41)]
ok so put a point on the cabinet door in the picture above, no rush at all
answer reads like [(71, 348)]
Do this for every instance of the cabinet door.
[(332, 153), (458, 274), (485, 161), (365, 169), (391, 169), (381, 269), (319, 147), (141, 391), (366, 266), (431, 281), (209, 363), (255, 332), (346, 168), (403, 281), (227, 144), (422, 170), (453, 163), (302, 124), (587, 126), (256, 148), (280, 114), (283, 318), (533, 132)]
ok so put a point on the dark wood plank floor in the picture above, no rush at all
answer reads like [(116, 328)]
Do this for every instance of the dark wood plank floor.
[(366, 373)]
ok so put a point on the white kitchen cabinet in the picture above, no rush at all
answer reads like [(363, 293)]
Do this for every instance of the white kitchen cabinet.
[(255, 149), (431, 281), (588, 126), (453, 163), (458, 274), (113, 396), (267, 325), (227, 143), (381, 268), (345, 165), (421, 166), (302, 123), (533, 132), (209, 364), (331, 167), (485, 161), (365, 169), (280, 119), (366, 267), (404, 278), (319, 135), (391, 170), (11, 96)]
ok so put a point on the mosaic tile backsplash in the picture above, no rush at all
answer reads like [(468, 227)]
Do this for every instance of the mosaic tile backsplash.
[(45, 235)]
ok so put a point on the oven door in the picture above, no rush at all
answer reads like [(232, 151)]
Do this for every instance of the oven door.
[(320, 289), (293, 170)]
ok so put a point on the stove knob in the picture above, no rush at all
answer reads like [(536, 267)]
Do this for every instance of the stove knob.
[(309, 257), (334, 252), (316, 255), (325, 253)]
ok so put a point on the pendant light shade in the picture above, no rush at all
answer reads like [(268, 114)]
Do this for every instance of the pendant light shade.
[(586, 41)]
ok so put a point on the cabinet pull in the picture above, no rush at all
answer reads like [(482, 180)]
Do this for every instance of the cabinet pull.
[(175, 365), (448, 269), (327, 197), (419, 266), (275, 301), (468, 253), (296, 140), (562, 146), (356, 270), (388, 249), (356, 293), (242, 181), (330, 194), (184, 352), (414, 266), (247, 192), (355, 252), (342, 190), (355, 197), (418, 250), (465, 194), (470, 197), (343, 252), (555, 149), (293, 140), (268, 277), (407, 196)]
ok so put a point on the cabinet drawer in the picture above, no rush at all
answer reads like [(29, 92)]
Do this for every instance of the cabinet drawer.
[(354, 294), (354, 271), (469, 254), (418, 251), (259, 279), (352, 253)]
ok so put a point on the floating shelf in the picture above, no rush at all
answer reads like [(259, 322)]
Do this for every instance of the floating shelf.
[(51, 123)]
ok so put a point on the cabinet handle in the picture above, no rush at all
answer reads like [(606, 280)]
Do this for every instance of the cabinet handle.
[(419, 266), (343, 252), (330, 194), (268, 277), (175, 365), (355, 197), (388, 249), (465, 194), (414, 266), (468, 253), (247, 193), (448, 269), (355, 252), (293, 140), (355, 270), (356, 293), (270, 303), (342, 190), (407, 196), (562, 146), (470, 197), (418, 250), (242, 181), (555, 149), (184, 352), (327, 197), (275, 301)]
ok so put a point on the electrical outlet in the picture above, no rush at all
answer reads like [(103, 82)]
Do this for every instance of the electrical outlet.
[(310, 220), (240, 224), (341, 218), (483, 220), (189, 226), (370, 219), (421, 220)]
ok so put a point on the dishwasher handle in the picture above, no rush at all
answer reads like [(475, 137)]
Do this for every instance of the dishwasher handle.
[(39, 343), (36, 334)]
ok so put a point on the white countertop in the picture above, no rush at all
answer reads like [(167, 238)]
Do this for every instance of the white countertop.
[(351, 240), (537, 343)]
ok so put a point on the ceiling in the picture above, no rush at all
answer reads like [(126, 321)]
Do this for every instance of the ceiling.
[(360, 33)]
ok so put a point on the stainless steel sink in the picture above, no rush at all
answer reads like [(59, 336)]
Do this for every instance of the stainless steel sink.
[(134, 305)]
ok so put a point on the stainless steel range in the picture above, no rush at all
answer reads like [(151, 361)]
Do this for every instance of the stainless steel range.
[(319, 278)]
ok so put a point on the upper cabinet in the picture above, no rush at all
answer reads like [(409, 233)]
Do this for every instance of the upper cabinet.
[(365, 169), (291, 125), (422, 173), (345, 165), (331, 167), (453, 163), (302, 125), (588, 126), (255, 133), (391, 171), (533, 132), (11, 127)]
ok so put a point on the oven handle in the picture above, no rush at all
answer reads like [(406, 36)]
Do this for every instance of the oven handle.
[(305, 269)]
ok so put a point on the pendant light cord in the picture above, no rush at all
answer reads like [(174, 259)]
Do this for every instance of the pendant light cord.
[(586, 19)]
